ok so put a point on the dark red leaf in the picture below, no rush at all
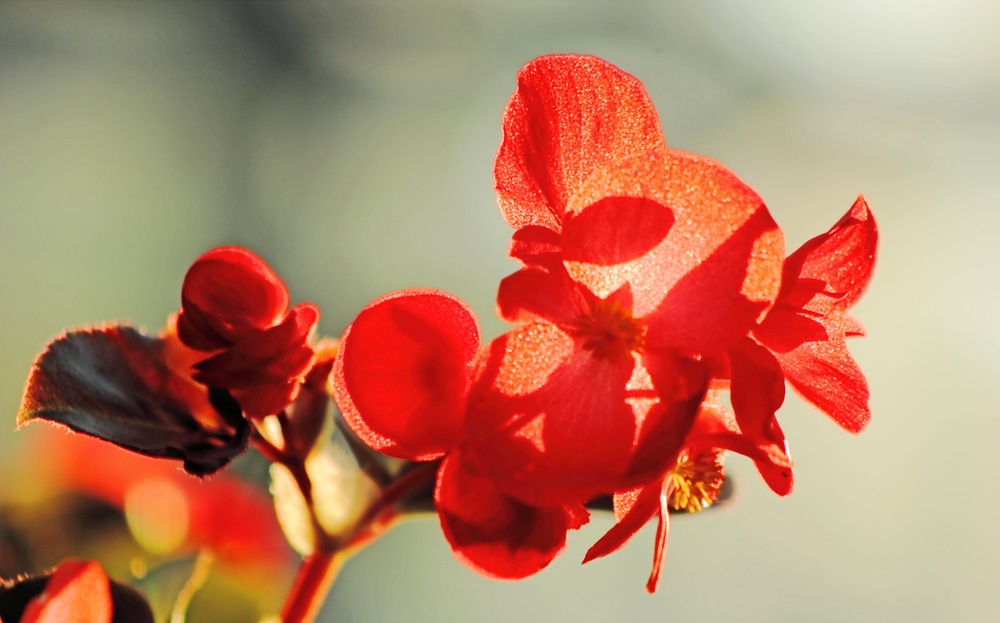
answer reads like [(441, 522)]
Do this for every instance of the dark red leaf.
[(114, 383)]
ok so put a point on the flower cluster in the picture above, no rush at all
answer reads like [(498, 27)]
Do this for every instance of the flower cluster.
[(656, 320), (654, 285)]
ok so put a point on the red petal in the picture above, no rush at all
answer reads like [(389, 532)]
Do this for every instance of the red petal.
[(275, 355), (827, 376), (660, 544), (78, 592), (757, 390), (551, 421), (258, 402), (536, 246), (494, 534), (531, 294), (710, 276), (615, 230), (716, 428), (569, 116), (235, 289), (403, 372), (681, 385), (640, 507), (832, 270)]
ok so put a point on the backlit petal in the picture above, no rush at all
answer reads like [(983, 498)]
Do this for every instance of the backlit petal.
[(549, 420), (711, 272), (827, 376), (716, 428), (832, 270), (403, 372), (637, 507), (532, 294), (78, 592), (757, 390), (569, 116)]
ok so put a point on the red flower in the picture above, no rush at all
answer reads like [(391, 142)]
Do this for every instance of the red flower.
[(236, 308), (649, 276), (402, 379), (636, 257)]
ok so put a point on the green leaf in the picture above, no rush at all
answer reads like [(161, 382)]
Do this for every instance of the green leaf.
[(114, 383)]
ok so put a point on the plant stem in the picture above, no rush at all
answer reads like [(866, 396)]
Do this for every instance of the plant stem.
[(312, 583)]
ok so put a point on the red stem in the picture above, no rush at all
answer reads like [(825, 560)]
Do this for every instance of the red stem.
[(312, 583), (318, 570)]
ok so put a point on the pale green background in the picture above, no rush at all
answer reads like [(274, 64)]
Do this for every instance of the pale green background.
[(351, 145)]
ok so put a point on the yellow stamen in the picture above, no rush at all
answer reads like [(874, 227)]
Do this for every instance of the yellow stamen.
[(696, 481)]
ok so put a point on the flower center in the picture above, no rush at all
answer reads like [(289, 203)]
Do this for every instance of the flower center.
[(696, 480), (609, 330)]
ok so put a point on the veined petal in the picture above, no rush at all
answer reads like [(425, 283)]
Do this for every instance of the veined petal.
[(403, 372), (550, 421), (832, 270), (235, 290), (827, 376), (569, 116), (614, 230), (493, 533), (709, 275)]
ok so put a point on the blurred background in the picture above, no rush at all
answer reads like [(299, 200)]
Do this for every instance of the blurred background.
[(351, 145)]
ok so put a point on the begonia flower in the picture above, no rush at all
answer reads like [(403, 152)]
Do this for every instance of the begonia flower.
[(236, 308), (633, 252), (629, 248), (402, 379)]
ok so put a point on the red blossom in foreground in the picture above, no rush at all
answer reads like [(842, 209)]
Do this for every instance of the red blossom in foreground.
[(650, 275), (402, 380), (631, 248), (236, 308), (635, 256)]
